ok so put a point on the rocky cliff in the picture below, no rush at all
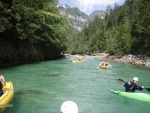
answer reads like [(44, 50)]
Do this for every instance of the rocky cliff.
[(77, 18)]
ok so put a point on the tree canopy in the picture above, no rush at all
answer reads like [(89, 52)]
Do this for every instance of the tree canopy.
[(31, 31), (124, 30), (37, 21)]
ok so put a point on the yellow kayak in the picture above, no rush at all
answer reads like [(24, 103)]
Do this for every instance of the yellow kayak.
[(104, 67), (80, 60), (7, 96)]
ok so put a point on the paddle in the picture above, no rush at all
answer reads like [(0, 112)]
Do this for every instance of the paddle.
[(120, 80), (6, 105)]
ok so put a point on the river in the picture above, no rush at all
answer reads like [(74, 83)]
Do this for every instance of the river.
[(42, 87)]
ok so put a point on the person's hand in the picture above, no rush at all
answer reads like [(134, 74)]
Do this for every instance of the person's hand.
[(142, 87)]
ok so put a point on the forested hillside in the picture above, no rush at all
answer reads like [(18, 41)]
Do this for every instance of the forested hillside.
[(34, 30), (30, 31), (125, 29)]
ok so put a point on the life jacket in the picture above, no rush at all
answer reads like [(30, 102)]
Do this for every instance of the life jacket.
[(131, 88)]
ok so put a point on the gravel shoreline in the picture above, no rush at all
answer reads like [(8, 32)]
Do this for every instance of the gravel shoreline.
[(139, 60)]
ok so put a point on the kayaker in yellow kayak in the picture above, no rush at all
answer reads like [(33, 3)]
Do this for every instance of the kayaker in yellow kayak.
[(102, 63), (2, 83), (132, 86)]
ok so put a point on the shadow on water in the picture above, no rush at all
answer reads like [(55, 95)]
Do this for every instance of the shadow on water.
[(51, 74), (30, 91)]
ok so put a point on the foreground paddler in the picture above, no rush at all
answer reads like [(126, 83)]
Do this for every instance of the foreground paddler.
[(6, 93), (130, 91), (6, 98), (2, 83), (131, 86)]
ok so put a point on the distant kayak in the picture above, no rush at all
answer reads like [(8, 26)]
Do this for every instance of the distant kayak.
[(78, 60), (104, 66), (133, 95)]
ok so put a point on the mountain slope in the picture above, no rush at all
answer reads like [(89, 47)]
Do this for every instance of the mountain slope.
[(76, 17), (98, 13)]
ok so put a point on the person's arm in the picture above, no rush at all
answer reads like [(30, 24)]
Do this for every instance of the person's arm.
[(139, 87), (2, 80), (127, 84)]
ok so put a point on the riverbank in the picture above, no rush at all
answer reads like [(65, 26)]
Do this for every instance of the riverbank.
[(139, 60), (133, 59)]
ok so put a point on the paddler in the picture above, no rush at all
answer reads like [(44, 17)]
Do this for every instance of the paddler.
[(132, 86), (2, 83)]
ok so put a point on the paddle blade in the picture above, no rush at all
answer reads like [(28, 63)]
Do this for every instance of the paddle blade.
[(120, 80), (148, 89)]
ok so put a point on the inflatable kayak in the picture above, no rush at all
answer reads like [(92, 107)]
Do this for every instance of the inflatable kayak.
[(133, 95), (79, 60), (7, 96), (104, 67)]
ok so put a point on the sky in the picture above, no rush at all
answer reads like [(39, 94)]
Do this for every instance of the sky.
[(88, 6)]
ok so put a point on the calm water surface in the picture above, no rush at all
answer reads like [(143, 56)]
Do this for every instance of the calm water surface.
[(43, 87)]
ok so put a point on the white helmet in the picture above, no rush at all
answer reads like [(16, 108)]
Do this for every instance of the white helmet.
[(135, 78), (69, 107)]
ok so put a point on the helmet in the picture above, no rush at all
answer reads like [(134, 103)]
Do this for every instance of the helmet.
[(135, 78), (69, 107)]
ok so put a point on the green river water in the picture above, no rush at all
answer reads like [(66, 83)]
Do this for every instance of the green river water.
[(42, 87)]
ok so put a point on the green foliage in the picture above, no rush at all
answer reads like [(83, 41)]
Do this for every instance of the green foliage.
[(125, 29), (37, 21)]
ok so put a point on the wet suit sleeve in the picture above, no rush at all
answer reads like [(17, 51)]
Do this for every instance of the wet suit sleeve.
[(138, 88), (126, 85)]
